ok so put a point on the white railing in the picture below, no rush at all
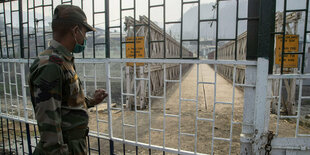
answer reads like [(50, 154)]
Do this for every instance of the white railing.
[(24, 109)]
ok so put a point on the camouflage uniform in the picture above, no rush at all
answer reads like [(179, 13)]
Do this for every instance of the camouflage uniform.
[(59, 102)]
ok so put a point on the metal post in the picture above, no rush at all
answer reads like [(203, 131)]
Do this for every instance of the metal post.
[(248, 111), (252, 30), (262, 107)]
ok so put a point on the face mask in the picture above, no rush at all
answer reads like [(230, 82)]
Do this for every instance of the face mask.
[(78, 48)]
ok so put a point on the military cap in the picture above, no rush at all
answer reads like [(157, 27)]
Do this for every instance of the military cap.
[(73, 14)]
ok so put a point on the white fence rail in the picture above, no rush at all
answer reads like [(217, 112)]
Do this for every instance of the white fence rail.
[(22, 111)]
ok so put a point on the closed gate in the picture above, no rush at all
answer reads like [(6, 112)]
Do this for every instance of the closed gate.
[(168, 93)]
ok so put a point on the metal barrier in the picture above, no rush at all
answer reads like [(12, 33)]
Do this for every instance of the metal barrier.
[(24, 33), (99, 133)]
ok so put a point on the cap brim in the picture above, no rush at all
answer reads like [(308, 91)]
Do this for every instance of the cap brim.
[(89, 28)]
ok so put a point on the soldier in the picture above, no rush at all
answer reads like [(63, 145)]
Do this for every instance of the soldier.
[(56, 93)]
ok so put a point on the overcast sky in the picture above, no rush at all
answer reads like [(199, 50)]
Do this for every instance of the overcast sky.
[(173, 9)]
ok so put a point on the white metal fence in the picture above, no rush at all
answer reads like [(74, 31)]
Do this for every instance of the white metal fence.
[(22, 110)]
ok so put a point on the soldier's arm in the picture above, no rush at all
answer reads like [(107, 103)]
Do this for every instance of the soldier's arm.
[(47, 87)]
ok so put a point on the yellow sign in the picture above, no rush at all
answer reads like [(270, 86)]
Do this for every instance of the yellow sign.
[(291, 46), (139, 49)]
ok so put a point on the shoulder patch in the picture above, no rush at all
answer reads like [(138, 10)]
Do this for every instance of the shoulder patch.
[(46, 52), (55, 59)]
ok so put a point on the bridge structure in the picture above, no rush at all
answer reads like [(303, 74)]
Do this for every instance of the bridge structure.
[(227, 52), (155, 47)]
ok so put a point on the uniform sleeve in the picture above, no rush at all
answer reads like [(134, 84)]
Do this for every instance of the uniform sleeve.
[(46, 98)]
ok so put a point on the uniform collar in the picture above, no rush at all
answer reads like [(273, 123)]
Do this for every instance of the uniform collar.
[(62, 50)]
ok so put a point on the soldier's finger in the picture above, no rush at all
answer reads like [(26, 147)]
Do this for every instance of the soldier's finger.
[(104, 96)]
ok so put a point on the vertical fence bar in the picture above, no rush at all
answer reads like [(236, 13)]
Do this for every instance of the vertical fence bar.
[(4, 88), (134, 28), (111, 147), (94, 37), (2, 134), (28, 35), (22, 136), (10, 86), (35, 22), (236, 30), (283, 35), (150, 101), (121, 30), (213, 114), (279, 106), (164, 31), (28, 139), (84, 81), (5, 29), (271, 21), (165, 100), (196, 100), (97, 117), (15, 139), (95, 85), (43, 20), (83, 53), (149, 28), (135, 100), (233, 110), (1, 52), (8, 131), (108, 87), (305, 38), (181, 38), (217, 29), (17, 94), (23, 78), (12, 32), (299, 106), (107, 28), (21, 29), (35, 133), (89, 150), (198, 40), (122, 102), (180, 108)]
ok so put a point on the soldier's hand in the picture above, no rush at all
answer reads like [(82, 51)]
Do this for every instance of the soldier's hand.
[(99, 95)]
